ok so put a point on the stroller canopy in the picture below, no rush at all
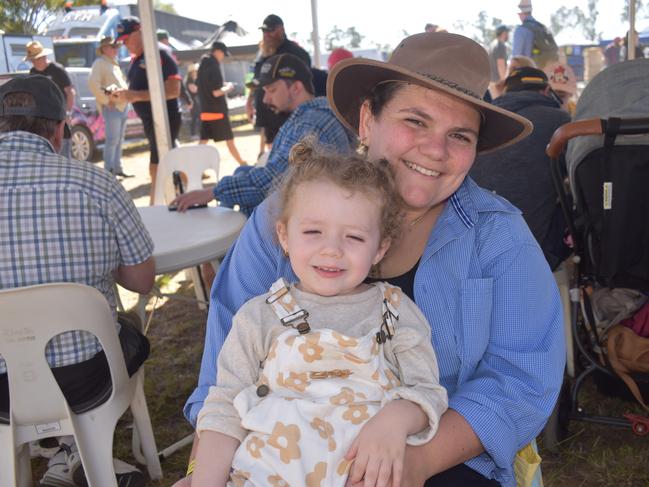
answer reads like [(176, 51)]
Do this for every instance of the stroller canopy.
[(621, 90)]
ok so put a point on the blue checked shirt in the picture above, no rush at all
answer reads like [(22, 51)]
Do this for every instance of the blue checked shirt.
[(63, 221), (492, 303), (249, 185)]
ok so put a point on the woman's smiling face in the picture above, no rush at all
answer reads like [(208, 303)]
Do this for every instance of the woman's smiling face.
[(429, 138)]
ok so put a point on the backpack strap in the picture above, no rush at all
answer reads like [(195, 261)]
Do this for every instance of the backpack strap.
[(286, 307), (389, 312)]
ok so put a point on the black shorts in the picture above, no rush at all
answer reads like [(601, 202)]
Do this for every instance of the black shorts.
[(87, 384), (174, 128), (217, 130), (460, 476)]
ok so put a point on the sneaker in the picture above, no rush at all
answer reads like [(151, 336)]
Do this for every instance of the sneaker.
[(46, 447), (122, 175), (127, 475), (58, 472)]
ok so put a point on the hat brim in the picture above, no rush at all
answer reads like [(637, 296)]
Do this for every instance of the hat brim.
[(45, 52), (351, 80)]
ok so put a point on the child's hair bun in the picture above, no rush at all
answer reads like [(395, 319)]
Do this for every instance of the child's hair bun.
[(303, 151)]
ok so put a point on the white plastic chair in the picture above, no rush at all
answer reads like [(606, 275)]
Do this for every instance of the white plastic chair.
[(30, 317), (193, 160)]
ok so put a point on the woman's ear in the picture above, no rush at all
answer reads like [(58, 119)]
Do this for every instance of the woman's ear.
[(282, 235), (365, 123), (383, 248)]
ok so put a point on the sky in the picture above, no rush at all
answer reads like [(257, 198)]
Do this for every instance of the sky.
[(387, 21)]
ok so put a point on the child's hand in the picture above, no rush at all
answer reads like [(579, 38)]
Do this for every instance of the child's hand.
[(379, 448)]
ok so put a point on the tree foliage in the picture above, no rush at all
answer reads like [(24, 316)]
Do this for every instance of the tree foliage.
[(576, 18), (338, 37), (641, 10), (27, 16)]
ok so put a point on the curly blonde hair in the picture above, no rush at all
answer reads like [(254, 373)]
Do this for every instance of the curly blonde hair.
[(309, 161)]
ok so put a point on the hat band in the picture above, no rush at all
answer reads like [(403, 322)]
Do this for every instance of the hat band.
[(450, 84)]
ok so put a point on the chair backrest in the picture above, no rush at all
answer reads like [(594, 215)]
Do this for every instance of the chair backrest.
[(30, 317), (192, 160)]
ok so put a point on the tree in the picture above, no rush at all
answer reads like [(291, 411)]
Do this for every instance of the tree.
[(338, 37), (164, 6), (641, 10), (486, 30), (27, 16), (576, 18)]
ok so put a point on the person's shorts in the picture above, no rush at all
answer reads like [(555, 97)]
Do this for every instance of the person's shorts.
[(174, 129), (87, 384), (216, 130)]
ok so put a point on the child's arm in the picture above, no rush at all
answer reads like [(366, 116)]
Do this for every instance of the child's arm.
[(379, 448), (213, 459)]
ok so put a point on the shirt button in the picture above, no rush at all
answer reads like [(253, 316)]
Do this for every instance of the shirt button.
[(263, 390)]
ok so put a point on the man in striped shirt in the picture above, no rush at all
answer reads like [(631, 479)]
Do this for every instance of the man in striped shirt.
[(67, 221)]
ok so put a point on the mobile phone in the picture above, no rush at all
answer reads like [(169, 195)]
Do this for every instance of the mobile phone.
[(193, 207), (178, 182)]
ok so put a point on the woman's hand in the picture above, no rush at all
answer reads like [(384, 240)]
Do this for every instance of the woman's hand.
[(378, 450)]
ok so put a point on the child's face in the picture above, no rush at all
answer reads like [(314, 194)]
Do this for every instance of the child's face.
[(332, 237)]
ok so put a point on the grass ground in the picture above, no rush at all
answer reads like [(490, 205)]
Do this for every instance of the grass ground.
[(592, 455)]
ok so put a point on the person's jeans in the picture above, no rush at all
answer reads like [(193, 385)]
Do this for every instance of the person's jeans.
[(115, 122)]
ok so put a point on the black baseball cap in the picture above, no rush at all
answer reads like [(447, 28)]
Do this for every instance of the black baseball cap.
[(127, 26), (526, 78), (49, 100), (287, 67), (221, 47), (271, 22)]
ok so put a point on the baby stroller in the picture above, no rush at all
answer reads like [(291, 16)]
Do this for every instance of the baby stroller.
[(603, 187)]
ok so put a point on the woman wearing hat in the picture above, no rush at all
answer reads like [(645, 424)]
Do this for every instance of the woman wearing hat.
[(465, 256)]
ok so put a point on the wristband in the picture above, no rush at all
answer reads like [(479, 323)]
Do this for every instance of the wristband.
[(190, 467)]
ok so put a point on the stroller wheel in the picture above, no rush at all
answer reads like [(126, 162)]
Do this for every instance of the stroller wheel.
[(556, 429), (639, 424)]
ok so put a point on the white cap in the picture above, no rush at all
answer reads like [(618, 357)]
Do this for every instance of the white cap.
[(525, 6)]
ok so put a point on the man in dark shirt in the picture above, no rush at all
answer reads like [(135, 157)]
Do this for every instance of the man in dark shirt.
[(37, 54), (521, 172), (498, 59), (215, 122), (129, 33), (274, 42)]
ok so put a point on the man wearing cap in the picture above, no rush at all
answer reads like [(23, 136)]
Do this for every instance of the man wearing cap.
[(37, 54), (274, 42), (521, 172), (129, 32), (106, 77), (532, 38), (63, 220), (215, 121), (498, 58), (286, 83)]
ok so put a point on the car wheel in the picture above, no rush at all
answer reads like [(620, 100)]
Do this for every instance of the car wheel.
[(83, 145)]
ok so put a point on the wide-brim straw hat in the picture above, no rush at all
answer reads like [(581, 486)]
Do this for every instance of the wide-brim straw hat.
[(105, 41), (35, 50), (450, 63)]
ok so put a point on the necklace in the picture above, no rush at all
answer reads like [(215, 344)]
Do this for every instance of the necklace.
[(420, 217)]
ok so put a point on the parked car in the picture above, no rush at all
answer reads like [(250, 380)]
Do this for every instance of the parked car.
[(87, 124)]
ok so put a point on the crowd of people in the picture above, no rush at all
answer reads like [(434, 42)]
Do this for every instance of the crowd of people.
[(388, 314)]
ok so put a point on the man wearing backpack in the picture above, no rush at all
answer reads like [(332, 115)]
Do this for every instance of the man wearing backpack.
[(532, 38)]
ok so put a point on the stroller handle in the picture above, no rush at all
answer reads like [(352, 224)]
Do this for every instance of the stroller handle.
[(594, 126), (570, 130)]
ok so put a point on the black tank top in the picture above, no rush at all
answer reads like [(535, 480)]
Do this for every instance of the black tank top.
[(405, 281)]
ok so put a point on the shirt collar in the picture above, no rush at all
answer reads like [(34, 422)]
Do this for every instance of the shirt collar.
[(25, 141)]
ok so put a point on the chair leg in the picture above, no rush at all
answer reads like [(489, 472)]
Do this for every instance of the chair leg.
[(144, 429), (23, 466), (95, 446)]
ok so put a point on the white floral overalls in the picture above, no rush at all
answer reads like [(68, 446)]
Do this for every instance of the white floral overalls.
[(316, 390)]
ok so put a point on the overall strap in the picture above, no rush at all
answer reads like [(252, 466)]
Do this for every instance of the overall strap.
[(286, 307), (389, 312)]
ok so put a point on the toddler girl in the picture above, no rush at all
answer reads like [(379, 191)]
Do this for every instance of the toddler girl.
[(328, 377)]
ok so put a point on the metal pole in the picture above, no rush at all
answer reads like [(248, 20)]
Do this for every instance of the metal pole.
[(154, 77), (315, 36), (630, 50)]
